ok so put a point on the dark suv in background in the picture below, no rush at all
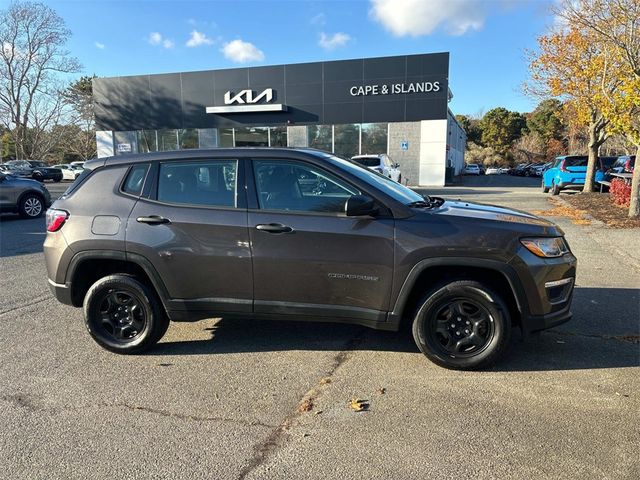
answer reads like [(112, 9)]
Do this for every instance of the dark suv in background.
[(298, 234), (40, 171)]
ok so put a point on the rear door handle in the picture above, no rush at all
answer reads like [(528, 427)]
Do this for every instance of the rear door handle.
[(274, 228), (153, 220)]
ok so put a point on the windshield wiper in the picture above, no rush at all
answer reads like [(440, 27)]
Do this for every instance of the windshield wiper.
[(428, 202)]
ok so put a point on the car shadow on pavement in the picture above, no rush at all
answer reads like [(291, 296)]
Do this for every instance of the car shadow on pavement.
[(598, 336), (19, 236)]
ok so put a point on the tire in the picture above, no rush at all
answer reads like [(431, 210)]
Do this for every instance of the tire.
[(544, 189), (107, 301), (448, 341), (555, 189), (31, 206), (400, 178)]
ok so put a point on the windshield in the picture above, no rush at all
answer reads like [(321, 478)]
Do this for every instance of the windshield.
[(393, 189), (367, 161)]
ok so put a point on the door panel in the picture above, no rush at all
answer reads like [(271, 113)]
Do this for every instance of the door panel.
[(324, 260), (307, 254), (202, 253)]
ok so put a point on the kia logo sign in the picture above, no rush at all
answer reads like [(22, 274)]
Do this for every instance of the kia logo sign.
[(246, 96), (247, 101)]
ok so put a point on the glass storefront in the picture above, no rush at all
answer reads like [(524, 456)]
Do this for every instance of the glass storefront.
[(345, 140), (320, 137), (374, 138)]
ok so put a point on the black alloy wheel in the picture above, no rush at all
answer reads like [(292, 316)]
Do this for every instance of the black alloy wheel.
[(462, 325), (123, 314)]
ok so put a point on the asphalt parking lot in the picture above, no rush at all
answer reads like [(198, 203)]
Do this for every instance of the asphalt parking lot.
[(220, 399)]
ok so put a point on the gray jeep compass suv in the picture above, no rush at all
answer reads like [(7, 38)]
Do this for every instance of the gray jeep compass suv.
[(139, 240)]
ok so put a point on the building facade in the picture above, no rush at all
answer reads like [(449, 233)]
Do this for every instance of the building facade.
[(394, 105)]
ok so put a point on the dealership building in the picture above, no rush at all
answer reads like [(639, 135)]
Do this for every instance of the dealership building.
[(393, 105)]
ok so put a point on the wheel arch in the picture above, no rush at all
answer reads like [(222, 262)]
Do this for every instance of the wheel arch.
[(428, 273), (85, 268), (30, 192)]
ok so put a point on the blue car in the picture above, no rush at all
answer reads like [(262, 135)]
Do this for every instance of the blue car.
[(569, 172)]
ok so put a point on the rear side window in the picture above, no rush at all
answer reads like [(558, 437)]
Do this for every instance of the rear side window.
[(135, 179), (211, 183), (368, 161), (575, 162)]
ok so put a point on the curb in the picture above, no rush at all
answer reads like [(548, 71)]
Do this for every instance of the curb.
[(594, 222)]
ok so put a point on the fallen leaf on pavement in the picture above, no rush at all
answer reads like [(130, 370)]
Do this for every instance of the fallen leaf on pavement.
[(305, 406), (382, 391), (325, 380), (359, 405)]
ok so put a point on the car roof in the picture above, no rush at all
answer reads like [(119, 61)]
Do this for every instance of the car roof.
[(242, 152)]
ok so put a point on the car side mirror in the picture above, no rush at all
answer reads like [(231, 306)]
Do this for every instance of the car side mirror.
[(360, 205)]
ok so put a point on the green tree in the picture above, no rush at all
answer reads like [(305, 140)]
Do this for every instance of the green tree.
[(79, 137), (546, 120), (501, 127), (471, 126)]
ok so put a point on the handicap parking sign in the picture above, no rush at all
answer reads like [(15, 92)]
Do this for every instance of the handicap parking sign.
[(404, 145)]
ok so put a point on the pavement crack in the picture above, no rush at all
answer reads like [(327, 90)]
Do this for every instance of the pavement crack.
[(26, 305), (184, 416), (278, 437), (629, 337)]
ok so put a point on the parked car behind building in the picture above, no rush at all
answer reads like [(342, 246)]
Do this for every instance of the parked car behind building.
[(380, 163)]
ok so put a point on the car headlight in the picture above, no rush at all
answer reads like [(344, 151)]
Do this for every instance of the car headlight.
[(546, 247)]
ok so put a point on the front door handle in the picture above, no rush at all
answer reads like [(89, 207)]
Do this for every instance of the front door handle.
[(153, 220), (274, 228)]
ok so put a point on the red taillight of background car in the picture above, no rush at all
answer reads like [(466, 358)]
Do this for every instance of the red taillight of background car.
[(55, 219)]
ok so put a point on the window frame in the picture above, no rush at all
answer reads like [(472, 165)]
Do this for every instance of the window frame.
[(151, 194), (254, 196)]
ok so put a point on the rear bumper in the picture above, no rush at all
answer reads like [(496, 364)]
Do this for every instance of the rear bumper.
[(62, 292), (570, 185)]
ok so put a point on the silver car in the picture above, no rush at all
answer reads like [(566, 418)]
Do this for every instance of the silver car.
[(27, 197)]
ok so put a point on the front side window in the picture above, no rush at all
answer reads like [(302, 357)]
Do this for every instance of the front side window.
[(211, 183), (285, 185)]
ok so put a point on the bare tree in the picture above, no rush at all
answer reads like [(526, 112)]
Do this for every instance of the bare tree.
[(32, 58)]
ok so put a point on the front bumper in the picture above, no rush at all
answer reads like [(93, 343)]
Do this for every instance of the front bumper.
[(537, 323)]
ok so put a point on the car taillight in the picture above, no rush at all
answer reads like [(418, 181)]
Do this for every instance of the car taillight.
[(55, 219), (562, 167)]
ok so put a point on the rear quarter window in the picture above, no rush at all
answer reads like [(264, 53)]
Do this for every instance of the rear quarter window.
[(576, 162), (135, 179)]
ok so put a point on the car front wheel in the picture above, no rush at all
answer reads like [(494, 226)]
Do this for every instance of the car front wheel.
[(544, 189), (462, 325), (123, 315)]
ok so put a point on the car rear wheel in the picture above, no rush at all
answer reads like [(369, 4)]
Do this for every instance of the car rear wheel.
[(544, 189), (31, 206), (555, 189), (38, 177), (123, 315), (400, 178), (462, 325)]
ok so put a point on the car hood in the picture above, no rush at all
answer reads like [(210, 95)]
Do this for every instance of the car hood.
[(494, 213), (27, 182)]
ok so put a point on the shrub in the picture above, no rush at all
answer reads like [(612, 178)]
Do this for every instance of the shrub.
[(620, 192)]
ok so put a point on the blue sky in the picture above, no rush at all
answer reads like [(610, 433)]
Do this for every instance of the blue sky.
[(486, 38)]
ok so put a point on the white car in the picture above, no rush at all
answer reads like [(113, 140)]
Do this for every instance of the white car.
[(493, 171), (69, 172), (381, 164), (471, 169)]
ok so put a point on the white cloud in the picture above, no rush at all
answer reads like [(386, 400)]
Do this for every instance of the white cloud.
[(99, 45), (329, 42), (421, 17), (198, 39), (319, 19), (242, 52), (155, 38)]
